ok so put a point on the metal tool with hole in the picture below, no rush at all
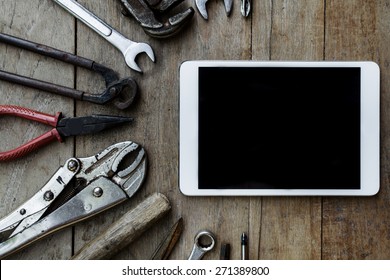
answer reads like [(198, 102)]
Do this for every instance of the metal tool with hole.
[(204, 242), (201, 5), (80, 189), (128, 48)]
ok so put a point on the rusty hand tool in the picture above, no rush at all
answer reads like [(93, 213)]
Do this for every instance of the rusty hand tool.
[(121, 91), (128, 48), (166, 246), (149, 13), (80, 189), (63, 127), (201, 5), (124, 231)]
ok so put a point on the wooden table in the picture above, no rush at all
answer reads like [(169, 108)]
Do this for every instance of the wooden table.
[(278, 227)]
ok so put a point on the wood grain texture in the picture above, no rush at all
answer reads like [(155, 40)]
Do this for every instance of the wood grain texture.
[(20, 179), (278, 227), (359, 228), (289, 30)]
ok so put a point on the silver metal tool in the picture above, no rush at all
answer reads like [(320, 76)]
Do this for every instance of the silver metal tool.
[(201, 5), (244, 246), (152, 16), (245, 7), (82, 188), (204, 242), (129, 49)]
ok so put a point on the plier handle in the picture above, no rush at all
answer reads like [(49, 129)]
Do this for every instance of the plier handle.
[(81, 188), (62, 127), (121, 91)]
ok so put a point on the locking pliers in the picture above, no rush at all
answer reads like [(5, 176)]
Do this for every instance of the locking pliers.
[(78, 190), (149, 15)]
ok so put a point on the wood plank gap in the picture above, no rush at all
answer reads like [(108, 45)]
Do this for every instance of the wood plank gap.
[(322, 199), (321, 229), (270, 30), (260, 229), (75, 76), (73, 249), (324, 41), (251, 36)]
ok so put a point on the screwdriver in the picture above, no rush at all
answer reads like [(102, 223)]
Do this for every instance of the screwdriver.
[(244, 246)]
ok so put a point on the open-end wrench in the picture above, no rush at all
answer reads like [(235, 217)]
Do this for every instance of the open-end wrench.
[(201, 5), (204, 241), (129, 49)]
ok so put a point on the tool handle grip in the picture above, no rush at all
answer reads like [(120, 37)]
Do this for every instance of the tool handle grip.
[(46, 51), (29, 114), (83, 14), (38, 141), (31, 145), (130, 226)]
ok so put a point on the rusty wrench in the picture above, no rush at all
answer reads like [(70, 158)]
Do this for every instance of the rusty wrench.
[(120, 91), (128, 48), (149, 13)]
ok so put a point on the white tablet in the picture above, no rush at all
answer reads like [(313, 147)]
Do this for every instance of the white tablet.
[(279, 128)]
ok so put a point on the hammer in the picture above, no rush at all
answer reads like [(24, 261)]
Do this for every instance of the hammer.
[(130, 226)]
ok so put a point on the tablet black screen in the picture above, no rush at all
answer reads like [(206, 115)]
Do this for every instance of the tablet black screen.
[(279, 128)]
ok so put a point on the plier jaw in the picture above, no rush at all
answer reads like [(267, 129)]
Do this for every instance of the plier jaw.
[(120, 92), (113, 162), (63, 127), (102, 181)]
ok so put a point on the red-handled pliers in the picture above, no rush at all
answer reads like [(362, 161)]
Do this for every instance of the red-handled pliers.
[(63, 127)]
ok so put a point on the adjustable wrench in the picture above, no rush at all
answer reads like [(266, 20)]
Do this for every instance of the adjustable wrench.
[(129, 49)]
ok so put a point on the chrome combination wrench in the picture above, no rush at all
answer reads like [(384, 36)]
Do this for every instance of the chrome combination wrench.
[(128, 48), (204, 242)]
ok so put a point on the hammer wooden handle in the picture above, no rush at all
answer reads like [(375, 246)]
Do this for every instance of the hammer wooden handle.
[(126, 229)]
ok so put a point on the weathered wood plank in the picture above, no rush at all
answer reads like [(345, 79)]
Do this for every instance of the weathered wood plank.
[(278, 228), (289, 30), (359, 228), (220, 37), (92, 46), (20, 179), (156, 126)]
